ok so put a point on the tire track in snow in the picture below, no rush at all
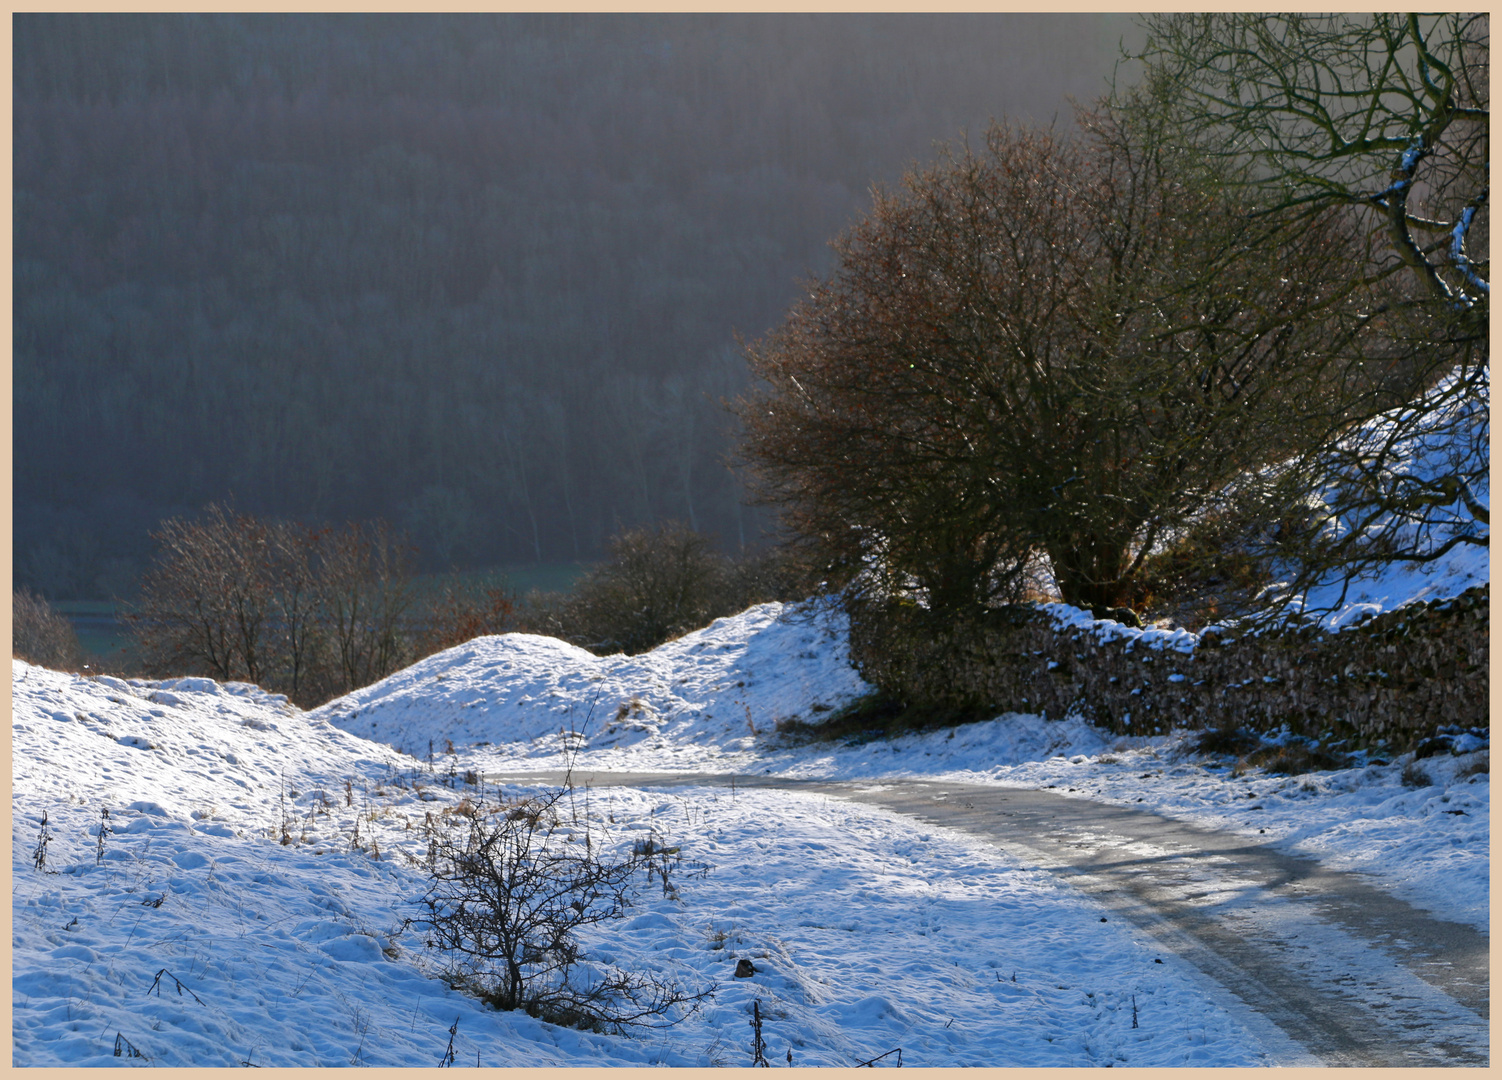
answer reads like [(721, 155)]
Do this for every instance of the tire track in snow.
[(1340, 968)]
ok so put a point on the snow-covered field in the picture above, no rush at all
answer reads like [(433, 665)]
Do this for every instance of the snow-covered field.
[(869, 932), (248, 899)]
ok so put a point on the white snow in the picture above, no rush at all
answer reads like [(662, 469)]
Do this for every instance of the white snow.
[(508, 704), (870, 931), (1424, 443), (248, 903)]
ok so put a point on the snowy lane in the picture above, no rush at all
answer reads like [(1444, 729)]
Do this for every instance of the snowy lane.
[(1342, 969), (1355, 976)]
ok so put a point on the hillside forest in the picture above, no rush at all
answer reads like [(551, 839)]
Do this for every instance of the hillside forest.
[(480, 276)]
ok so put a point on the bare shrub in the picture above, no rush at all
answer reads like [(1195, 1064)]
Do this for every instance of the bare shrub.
[(503, 907), (458, 614), (39, 853), (1296, 758), (1211, 571), (39, 635), (1227, 739), (658, 583), (545, 612), (1414, 776), (1477, 766), (760, 576), (310, 613)]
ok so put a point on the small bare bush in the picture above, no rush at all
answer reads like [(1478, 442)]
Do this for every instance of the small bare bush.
[(1414, 776), (1477, 766), (39, 635), (505, 903), (1227, 739), (1296, 758)]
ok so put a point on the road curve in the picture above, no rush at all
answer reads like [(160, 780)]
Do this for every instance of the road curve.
[(1345, 973)]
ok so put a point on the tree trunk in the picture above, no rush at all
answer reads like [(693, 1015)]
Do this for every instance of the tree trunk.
[(1090, 575)]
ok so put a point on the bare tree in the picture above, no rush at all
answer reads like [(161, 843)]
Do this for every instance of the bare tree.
[(206, 600), (303, 611), (504, 907), (365, 594), (294, 627), (1386, 114), (39, 635)]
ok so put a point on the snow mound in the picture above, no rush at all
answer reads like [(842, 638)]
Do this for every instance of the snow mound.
[(182, 750), (712, 687)]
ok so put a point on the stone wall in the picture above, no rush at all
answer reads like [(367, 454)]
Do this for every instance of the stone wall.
[(1389, 680)]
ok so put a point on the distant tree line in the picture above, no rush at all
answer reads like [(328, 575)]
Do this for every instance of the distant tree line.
[(318, 612), (476, 275)]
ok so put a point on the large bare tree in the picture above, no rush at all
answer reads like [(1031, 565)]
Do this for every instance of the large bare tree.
[(1388, 115), (1386, 112)]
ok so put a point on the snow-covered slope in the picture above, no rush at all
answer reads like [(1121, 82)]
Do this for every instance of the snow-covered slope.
[(248, 903), (709, 691), (1446, 436), (505, 707), (248, 907)]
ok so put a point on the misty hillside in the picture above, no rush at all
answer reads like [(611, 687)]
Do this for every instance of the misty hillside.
[(478, 275)]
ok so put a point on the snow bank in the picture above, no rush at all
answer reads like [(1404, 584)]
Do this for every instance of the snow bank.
[(249, 905), (714, 687)]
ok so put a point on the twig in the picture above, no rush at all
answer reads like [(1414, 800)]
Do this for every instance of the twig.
[(104, 830), (448, 1058), (758, 1045), (872, 1063), (39, 856), (156, 985)]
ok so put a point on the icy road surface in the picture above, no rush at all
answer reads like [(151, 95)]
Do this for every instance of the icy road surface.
[(1320, 964)]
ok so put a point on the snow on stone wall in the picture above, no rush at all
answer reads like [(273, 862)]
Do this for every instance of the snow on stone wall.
[(1392, 679)]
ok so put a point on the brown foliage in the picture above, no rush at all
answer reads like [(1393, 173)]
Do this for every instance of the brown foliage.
[(310, 613), (39, 635), (1050, 345), (458, 615)]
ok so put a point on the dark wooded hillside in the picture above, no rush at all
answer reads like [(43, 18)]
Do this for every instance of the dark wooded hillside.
[(477, 275)]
